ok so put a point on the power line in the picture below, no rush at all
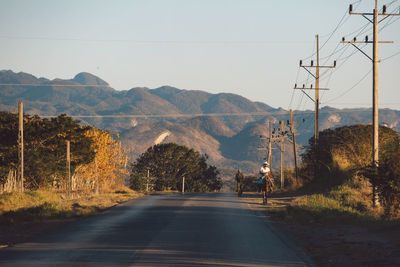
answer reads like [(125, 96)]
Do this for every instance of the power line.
[(151, 41), (396, 54), (53, 85), (351, 88)]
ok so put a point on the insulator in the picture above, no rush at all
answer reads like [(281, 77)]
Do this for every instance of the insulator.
[(350, 9), (384, 9), (312, 63), (334, 64), (343, 39), (301, 63), (295, 85), (311, 86), (304, 86), (355, 39), (366, 39), (288, 122)]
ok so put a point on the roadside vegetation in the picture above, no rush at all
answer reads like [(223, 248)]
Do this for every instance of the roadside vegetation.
[(100, 170), (342, 192), (40, 205), (163, 167)]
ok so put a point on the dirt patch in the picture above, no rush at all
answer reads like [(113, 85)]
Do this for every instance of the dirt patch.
[(335, 244)]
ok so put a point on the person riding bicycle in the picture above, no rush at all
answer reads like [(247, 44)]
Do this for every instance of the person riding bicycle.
[(266, 178), (265, 171)]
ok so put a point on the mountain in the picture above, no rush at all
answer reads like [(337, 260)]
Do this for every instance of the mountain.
[(226, 127)]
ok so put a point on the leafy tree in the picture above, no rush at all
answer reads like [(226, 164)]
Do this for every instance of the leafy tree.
[(386, 178), (44, 147), (107, 169), (342, 152), (168, 163)]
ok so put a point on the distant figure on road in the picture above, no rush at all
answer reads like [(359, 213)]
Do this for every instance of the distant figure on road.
[(265, 182), (239, 180)]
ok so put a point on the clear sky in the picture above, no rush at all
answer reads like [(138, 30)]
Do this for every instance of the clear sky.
[(247, 47)]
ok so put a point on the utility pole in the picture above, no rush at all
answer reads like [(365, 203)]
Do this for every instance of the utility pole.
[(21, 145), (183, 184), (316, 99), (282, 153), (294, 144), (96, 174), (375, 111), (270, 145), (148, 178), (68, 167)]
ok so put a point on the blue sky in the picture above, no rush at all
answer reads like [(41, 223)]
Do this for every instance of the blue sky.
[(247, 47)]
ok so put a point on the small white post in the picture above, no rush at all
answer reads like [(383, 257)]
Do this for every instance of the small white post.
[(183, 184)]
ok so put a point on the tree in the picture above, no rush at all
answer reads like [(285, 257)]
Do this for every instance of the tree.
[(343, 151), (107, 169), (386, 178), (44, 147), (168, 163)]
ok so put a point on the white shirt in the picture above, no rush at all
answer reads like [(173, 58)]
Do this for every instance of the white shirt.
[(265, 170)]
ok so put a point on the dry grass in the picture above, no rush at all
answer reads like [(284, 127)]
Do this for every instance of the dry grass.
[(45, 205)]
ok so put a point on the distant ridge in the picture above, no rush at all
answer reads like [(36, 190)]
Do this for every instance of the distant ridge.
[(229, 141)]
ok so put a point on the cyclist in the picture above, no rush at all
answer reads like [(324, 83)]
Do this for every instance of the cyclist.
[(266, 180)]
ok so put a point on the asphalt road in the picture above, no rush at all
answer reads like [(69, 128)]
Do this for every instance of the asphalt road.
[(162, 230)]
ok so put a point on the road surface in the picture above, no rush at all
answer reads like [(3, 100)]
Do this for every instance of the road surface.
[(213, 229)]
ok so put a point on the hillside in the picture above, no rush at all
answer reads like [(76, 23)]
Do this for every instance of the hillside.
[(229, 141)]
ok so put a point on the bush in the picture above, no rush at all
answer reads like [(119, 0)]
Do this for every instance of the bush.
[(386, 178)]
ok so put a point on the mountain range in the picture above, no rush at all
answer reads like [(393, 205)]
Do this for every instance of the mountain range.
[(226, 127)]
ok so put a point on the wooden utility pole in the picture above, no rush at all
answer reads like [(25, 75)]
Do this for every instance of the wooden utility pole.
[(282, 153), (294, 144), (148, 178), (316, 124), (96, 174), (68, 167), (21, 145), (375, 60), (316, 99), (270, 144)]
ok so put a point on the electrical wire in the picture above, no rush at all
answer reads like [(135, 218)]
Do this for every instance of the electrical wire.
[(342, 21), (351, 88), (53, 85), (150, 41), (389, 57)]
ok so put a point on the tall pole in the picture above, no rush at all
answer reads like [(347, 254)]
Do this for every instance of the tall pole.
[(21, 144), (282, 154), (147, 182), (294, 144), (316, 100), (96, 174), (375, 114), (375, 111), (68, 167), (269, 144), (316, 128)]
